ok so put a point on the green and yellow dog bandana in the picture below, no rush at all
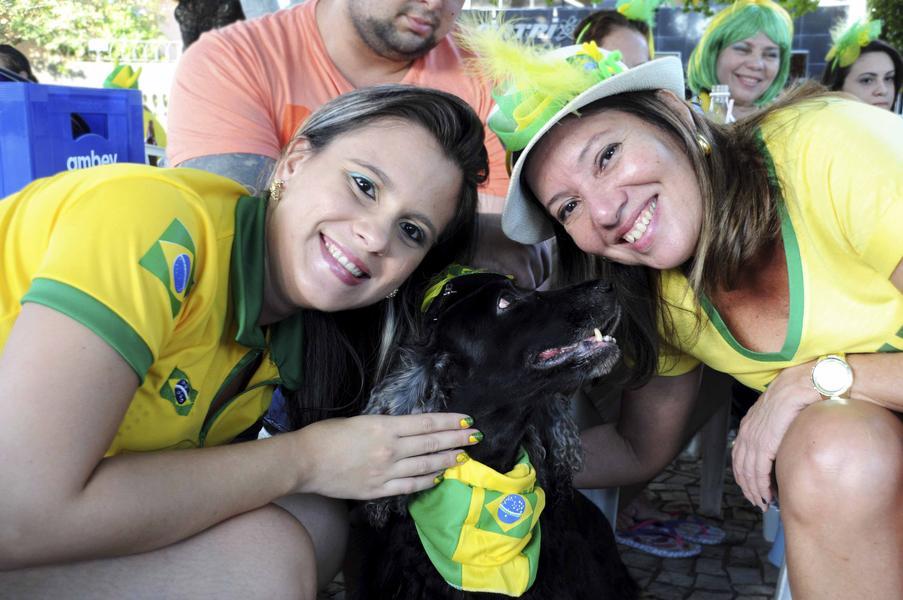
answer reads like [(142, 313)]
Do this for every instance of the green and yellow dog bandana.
[(480, 528)]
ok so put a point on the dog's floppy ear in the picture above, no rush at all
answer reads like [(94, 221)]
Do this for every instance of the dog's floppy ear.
[(414, 386)]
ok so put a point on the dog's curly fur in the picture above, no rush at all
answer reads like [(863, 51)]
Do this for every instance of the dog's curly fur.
[(510, 359), (413, 388)]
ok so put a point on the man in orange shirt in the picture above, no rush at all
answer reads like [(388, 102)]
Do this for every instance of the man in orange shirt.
[(241, 91)]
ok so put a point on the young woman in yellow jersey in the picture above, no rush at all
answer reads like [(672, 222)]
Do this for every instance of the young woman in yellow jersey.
[(146, 317), (758, 249)]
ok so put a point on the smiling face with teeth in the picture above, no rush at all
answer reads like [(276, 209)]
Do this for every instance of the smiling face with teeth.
[(621, 187), (748, 67), (357, 216)]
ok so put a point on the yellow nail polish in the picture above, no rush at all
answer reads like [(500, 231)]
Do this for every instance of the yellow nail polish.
[(462, 458), (466, 422), (476, 436), (438, 479)]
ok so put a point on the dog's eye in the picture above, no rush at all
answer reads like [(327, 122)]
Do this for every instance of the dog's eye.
[(504, 301)]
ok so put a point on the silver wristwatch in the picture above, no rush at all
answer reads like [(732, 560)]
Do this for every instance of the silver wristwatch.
[(832, 376)]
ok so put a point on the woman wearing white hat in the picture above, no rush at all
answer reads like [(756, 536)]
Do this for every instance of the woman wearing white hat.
[(770, 251)]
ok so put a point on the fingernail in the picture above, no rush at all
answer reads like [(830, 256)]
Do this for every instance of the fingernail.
[(476, 436), (438, 479), (462, 458), (466, 422)]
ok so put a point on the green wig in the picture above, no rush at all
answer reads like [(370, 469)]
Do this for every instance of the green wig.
[(741, 20)]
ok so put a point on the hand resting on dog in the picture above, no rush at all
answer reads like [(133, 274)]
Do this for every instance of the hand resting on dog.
[(404, 454)]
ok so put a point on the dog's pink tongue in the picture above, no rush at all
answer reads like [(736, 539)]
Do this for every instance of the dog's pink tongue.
[(550, 353)]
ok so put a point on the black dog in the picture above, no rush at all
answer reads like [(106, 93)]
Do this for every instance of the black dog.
[(510, 359)]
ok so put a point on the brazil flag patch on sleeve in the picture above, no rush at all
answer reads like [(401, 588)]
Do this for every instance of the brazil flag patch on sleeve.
[(171, 260)]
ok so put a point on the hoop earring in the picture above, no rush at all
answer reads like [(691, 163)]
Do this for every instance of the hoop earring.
[(276, 190), (392, 294), (703, 144)]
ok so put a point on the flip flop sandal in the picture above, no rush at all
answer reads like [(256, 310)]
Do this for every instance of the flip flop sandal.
[(694, 529), (648, 537)]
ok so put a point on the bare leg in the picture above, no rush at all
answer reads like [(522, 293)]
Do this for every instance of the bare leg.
[(326, 520), (265, 553), (840, 474)]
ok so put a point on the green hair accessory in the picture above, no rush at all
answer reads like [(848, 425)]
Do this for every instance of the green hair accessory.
[(440, 286), (122, 77), (849, 41), (640, 10), (530, 83), (524, 108), (439, 280)]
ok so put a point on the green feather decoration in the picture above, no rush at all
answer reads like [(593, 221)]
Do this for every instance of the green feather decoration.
[(849, 40), (640, 10), (530, 83)]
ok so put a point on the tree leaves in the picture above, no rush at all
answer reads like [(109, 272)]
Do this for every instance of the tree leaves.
[(51, 33)]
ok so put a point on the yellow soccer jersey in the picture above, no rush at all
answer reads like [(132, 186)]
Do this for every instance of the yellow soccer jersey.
[(165, 265), (839, 165)]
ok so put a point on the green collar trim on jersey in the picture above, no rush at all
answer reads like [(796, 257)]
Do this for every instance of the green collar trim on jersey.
[(246, 272), (794, 278)]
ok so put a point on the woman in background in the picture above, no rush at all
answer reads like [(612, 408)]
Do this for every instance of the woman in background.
[(746, 46), (862, 65), (627, 30)]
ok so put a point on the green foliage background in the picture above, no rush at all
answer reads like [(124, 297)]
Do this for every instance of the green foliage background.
[(53, 32), (891, 12)]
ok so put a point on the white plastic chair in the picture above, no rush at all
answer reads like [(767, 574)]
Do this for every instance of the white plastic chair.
[(773, 531)]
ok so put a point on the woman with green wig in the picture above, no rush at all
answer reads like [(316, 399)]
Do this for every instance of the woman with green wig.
[(746, 46)]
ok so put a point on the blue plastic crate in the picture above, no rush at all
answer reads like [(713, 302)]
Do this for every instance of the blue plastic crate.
[(45, 129)]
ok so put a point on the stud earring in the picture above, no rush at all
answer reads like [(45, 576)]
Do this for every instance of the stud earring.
[(392, 294), (276, 190), (703, 144)]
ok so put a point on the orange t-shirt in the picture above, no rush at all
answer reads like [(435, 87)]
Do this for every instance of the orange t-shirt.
[(246, 88)]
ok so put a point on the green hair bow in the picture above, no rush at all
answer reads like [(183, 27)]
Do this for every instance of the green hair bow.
[(849, 41)]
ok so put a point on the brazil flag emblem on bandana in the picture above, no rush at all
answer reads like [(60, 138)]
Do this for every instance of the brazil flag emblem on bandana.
[(480, 528)]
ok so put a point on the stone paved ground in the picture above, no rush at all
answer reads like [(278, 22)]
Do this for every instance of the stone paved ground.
[(736, 569)]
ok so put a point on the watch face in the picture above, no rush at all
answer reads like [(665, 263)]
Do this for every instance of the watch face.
[(832, 376)]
